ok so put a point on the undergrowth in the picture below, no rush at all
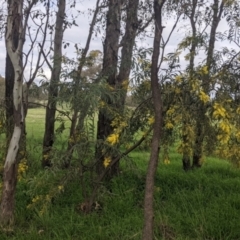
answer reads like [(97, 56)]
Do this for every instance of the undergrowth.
[(199, 204)]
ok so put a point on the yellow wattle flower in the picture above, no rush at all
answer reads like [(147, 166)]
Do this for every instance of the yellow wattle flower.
[(107, 161), (169, 125), (178, 78), (204, 70), (151, 120), (204, 97), (113, 138), (166, 161)]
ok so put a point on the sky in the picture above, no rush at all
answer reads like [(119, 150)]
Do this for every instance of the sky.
[(78, 35)]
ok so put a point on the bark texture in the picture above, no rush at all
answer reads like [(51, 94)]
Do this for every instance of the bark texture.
[(120, 80), (48, 139), (157, 101), (127, 44), (9, 83), (109, 72), (200, 121), (15, 30), (186, 159)]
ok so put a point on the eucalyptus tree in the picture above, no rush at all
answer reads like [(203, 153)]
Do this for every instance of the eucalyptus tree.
[(36, 37), (9, 84), (190, 9), (217, 10), (17, 18), (157, 126), (117, 80), (53, 85)]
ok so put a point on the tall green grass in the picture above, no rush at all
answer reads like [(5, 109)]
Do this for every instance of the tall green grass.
[(199, 204)]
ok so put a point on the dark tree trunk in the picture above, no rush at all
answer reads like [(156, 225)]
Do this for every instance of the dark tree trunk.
[(127, 43), (186, 161), (53, 87), (200, 121), (8, 196), (198, 145), (109, 72), (9, 83), (186, 155), (156, 94), (121, 81)]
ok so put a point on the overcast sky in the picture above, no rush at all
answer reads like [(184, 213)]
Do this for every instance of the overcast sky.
[(78, 35)]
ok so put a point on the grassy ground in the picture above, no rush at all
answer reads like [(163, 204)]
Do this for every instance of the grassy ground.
[(200, 204)]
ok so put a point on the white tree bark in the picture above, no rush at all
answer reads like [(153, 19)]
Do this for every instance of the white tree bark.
[(15, 23), (15, 56)]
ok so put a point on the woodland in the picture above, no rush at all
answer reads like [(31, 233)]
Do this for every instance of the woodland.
[(136, 139)]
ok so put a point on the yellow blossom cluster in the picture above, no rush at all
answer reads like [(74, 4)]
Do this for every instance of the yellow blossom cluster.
[(107, 161), (188, 135), (151, 120), (119, 125), (204, 70), (225, 127), (203, 97), (36, 199), (185, 148), (178, 78), (22, 168), (60, 188), (171, 118), (219, 111), (169, 125), (225, 132), (195, 85), (166, 161), (170, 111), (238, 110), (113, 138), (42, 201), (230, 152), (238, 136), (102, 104)]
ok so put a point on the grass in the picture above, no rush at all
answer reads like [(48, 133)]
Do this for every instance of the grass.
[(200, 204)]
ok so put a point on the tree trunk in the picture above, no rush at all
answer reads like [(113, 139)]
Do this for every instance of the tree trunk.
[(14, 23), (74, 126), (109, 72), (186, 161), (200, 121), (121, 81), (198, 146), (153, 162), (9, 83), (127, 43), (53, 87), (8, 195)]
